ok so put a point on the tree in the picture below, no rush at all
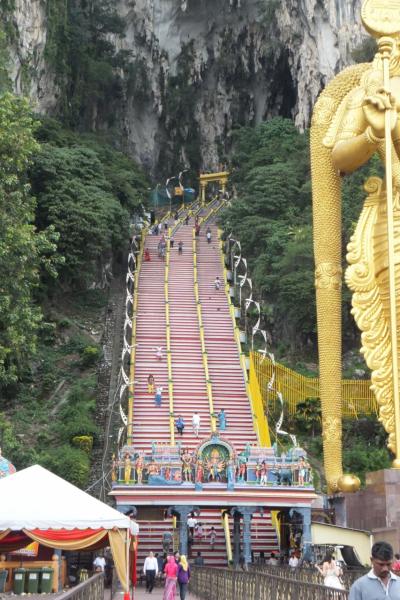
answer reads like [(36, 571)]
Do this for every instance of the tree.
[(23, 250), (76, 199), (272, 219)]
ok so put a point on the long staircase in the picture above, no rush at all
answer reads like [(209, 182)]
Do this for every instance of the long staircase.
[(229, 391), (168, 292), (150, 422)]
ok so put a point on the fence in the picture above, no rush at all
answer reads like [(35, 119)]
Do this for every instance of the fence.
[(357, 398), (91, 589), (307, 575), (226, 584)]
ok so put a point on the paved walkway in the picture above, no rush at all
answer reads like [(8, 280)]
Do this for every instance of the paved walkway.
[(157, 594)]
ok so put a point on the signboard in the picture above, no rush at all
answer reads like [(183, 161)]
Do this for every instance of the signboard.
[(30, 550)]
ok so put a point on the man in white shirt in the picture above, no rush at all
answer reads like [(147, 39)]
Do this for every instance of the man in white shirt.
[(99, 564), (191, 523), (150, 569), (293, 561), (196, 424)]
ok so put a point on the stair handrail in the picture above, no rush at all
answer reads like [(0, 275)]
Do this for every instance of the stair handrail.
[(242, 355), (219, 204), (202, 339), (131, 389), (168, 337)]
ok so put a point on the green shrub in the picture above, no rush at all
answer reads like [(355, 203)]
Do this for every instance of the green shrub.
[(90, 356), (69, 463), (84, 442)]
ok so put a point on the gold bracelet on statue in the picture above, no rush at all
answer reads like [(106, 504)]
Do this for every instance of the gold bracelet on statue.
[(371, 137)]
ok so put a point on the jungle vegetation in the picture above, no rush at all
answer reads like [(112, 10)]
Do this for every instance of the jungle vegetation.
[(66, 200)]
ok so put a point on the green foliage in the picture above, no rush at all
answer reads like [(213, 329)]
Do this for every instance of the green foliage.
[(86, 190), (308, 417), (69, 463), (361, 458), (84, 442), (5, 83), (87, 65), (75, 198), (76, 415), (23, 251), (90, 356), (272, 217)]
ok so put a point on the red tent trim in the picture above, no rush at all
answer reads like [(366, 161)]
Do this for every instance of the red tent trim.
[(60, 535)]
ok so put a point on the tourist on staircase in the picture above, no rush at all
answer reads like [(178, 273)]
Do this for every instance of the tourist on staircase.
[(150, 569), (158, 396), (180, 247), (191, 523), (222, 420), (166, 541), (147, 255), (199, 532), (159, 352), (180, 425), (183, 576), (150, 384), (217, 283), (196, 424), (208, 235), (213, 537), (199, 560), (171, 574)]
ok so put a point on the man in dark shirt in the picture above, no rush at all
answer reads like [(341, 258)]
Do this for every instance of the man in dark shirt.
[(199, 560)]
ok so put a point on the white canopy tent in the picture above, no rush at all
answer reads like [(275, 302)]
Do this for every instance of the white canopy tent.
[(35, 498), (57, 514)]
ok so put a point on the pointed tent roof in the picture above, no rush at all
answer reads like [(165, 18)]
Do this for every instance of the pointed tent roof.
[(35, 498)]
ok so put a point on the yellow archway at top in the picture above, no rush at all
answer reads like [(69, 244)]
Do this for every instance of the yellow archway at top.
[(206, 178)]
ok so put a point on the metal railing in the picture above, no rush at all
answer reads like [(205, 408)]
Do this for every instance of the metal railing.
[(133, 338), (202, 337), (357, 397), (216, 584), (306, 574), (168, 337), (91, 589), (257, 422)]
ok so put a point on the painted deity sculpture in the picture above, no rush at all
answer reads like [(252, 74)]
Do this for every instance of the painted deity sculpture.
[(114, 468), (187, 464), (216, 466), (139, 465), (348, 127), (127, 468)]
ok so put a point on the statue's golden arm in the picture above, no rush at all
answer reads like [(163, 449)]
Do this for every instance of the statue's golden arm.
[(349, 155)]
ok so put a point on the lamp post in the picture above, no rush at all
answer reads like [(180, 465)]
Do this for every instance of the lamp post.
[(167, 190), (181, 184)]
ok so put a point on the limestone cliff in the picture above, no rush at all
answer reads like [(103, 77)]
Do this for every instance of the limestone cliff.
[(198, 68)]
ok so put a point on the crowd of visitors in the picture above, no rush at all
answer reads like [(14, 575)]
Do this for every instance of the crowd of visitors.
[(174, 568)]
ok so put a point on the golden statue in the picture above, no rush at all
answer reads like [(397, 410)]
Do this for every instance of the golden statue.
[(356, 116)]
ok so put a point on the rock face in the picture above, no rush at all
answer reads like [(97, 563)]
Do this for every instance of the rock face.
[(27, 67), (202, 67)]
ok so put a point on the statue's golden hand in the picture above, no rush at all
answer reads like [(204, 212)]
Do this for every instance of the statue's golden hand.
[(375, 106)]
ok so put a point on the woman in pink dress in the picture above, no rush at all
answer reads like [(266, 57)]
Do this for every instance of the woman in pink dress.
[(171, 573)]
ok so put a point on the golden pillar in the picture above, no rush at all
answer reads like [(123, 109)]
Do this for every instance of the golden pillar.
[(203, 185)]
